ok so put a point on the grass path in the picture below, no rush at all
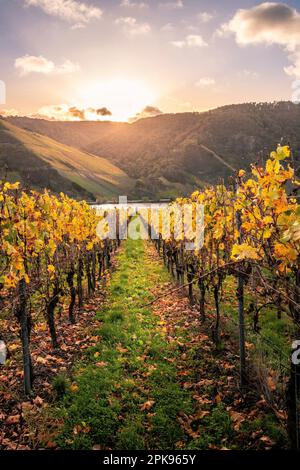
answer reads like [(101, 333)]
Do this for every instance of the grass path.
[(154, 380), (126, 394)]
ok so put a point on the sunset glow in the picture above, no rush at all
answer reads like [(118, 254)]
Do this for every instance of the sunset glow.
[(112, 59), (124, 98)]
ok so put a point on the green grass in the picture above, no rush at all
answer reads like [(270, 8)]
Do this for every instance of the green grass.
[(269, 426), (125, 393), (133, 355), (274, 339), (218, 426)]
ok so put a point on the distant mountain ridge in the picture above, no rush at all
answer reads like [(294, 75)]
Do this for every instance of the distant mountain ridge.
[(172, 154)]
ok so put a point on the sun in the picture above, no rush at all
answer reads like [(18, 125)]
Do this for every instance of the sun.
[(123, 97)]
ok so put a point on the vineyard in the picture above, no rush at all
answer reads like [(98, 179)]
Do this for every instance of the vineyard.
[(45, 243), (194, 356), (252, 235)]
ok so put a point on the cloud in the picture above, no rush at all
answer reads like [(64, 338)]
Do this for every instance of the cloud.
[(100, 112), (294, 70), (268, 23), (9, 112), (39, 64), (73, 11), (192, 40), (77, 113), (132, 27), (191, 27), (167, 28), (103, 112), (176, 5), (131, 4), (205, 82), (248, 74), (148, 111), (152, 110), (205, 17), (62, 112), (28, 64), (67, 67)]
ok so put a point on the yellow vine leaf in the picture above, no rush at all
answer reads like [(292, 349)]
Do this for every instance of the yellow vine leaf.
[(244, 251), (51, 269)]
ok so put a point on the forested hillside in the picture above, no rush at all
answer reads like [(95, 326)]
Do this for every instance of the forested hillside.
[(175, 153), (40, 162)]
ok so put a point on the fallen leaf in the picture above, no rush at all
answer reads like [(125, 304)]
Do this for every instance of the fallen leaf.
[(51, 445), (81, 428), (271, 383), (185, 423), (204, 383), (147, 405), (14, 419), (74, 388), (218, 398), (41, 360), (202, 414), (237, 419), (267, 440), (38, 401)]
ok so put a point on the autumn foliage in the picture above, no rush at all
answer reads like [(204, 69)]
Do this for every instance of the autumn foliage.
[(49, 249), (251, 229)]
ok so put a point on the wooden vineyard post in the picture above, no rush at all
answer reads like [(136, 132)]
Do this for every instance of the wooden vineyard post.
[(70, 281), (22, 314), (172, 262), (181, 264), (52, 303), (88, 273), (100, 265), (93, 270), (107, 255), (159, 244), (240, 296), (201, 286), (190, 279), (164, 253), (79, 282), (241, 308), (177, 264)]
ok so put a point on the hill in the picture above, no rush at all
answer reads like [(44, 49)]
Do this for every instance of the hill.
[(173, 153), (39, 161)]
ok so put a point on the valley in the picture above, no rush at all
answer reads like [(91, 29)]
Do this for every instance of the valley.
[(173, 154)]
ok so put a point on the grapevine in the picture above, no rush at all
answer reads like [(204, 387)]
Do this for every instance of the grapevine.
[(48, 244)]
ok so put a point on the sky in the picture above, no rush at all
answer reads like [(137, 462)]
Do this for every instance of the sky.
[(125, 59)]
